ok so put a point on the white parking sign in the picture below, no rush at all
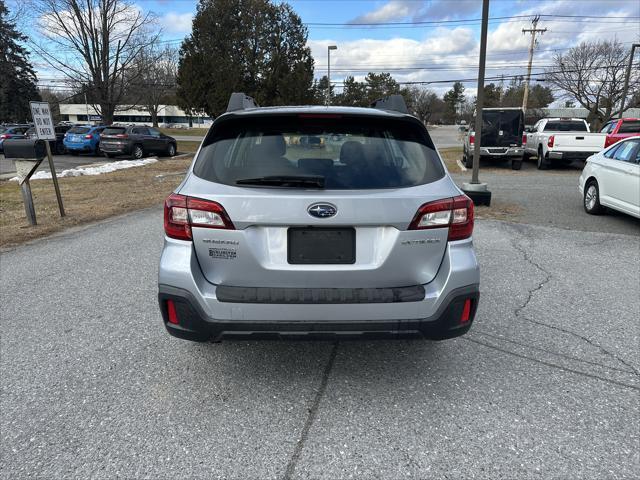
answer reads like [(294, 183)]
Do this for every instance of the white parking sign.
[(41, 114)]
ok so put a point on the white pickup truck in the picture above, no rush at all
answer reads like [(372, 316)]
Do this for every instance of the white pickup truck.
[(563, 140)]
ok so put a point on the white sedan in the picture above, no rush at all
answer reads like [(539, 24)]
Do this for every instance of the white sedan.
[(611, 178)]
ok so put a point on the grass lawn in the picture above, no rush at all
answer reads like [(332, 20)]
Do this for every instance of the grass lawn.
[(450, 155), (187, 132), (86, 199), (187, 147)]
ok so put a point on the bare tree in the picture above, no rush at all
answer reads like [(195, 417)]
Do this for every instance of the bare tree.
[(423, 103), (593, 75), (94, 44), (156, 71)]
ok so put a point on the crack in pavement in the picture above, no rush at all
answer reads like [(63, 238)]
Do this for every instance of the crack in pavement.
[(518, 312), (313, 412)]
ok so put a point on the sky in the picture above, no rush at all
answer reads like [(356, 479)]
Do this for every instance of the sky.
[(443, 46)]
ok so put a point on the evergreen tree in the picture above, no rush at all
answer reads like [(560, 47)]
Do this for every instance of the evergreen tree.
[(250, 46), (453, 99), (17, 77)]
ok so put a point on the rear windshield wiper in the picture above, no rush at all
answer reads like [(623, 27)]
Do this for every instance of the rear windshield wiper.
[(290, 181)]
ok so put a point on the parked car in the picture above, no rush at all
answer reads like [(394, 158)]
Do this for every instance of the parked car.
[(11, 131), (83, 139), (611, 179), (180, 126), (561, 140), (501, 137), (57, 145), (621, 128), (136, 141), (370, 239)]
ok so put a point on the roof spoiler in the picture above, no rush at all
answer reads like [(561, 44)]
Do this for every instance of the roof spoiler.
[(240, 101), (392, 102)]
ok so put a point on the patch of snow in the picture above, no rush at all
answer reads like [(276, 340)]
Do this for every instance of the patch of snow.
[(99, 170)]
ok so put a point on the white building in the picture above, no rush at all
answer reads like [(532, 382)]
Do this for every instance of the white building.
[(167, 114)]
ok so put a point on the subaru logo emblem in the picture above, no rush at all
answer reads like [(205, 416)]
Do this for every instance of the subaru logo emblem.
[(322, 210)]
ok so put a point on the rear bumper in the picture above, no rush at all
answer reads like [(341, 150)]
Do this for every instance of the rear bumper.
[(213, 313), (570, 156), (490, 152), (118, 149), (79, 147), (194, 325)]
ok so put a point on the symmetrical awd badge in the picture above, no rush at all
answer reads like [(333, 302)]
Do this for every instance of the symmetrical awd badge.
[(322, 210)]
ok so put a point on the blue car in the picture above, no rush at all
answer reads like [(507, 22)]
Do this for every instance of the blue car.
[(83, 139), (11, 131)]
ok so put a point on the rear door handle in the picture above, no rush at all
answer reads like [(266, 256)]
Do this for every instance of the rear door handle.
[(579, 138)]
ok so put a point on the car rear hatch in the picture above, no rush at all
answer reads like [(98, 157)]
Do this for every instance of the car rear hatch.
[(502, 128), (113, 138), (335, 216)]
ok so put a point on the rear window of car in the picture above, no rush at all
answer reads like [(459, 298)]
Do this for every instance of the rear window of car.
[(632, 126), (114, 130), (565, 126), (79, 130), (348, 152)]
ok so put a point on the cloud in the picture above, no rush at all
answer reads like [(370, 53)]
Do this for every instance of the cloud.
[(173, 22), (390, 11), (433, 10)]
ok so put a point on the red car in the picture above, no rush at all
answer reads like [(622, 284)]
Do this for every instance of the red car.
[(619, 129)]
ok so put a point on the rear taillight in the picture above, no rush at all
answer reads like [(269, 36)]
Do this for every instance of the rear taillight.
[(182, 212), (453, 213), (122, 135), (472, 139), (88, 136), (524, 139), (550, 141), (4, 136)]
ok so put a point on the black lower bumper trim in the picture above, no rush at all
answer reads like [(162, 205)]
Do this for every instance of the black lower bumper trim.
[(269, 295), (195, 325)]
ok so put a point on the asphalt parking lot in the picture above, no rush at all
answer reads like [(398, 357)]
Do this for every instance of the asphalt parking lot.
[(546, 385)]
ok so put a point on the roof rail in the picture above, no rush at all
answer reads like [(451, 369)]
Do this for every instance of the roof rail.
[(393, 102), (240, 101)]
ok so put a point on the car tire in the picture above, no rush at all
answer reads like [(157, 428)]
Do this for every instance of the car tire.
[(75, 153), (591, 200), (468, 161), (171, 150), (516, 164), (137, 152), (543, 162), (96, 151)]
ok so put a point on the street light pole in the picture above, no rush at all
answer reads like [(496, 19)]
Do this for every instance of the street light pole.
[(475, 190), (329, 48), (626, 79)]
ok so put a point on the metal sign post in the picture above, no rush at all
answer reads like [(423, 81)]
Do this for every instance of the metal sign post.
[(43, 123), (27, 155)]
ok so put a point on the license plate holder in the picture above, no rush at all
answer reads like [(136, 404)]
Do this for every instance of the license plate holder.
[(321, 246)]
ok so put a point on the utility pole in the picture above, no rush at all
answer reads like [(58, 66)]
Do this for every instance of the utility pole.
[(477, 191), (533, 32), (626, 78), (329, 48)]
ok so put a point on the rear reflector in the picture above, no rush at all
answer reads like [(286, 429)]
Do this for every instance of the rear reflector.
[(182, 212), (455, 213), (466, 311), (171, 312)]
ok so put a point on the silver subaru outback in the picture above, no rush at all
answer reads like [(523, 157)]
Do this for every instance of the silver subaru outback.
[(317, 222)]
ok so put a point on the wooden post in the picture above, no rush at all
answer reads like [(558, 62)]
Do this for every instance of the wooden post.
[(55, 180), (28, 202)]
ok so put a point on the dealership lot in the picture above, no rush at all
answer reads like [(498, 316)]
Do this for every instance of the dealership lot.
[(545, 384)]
